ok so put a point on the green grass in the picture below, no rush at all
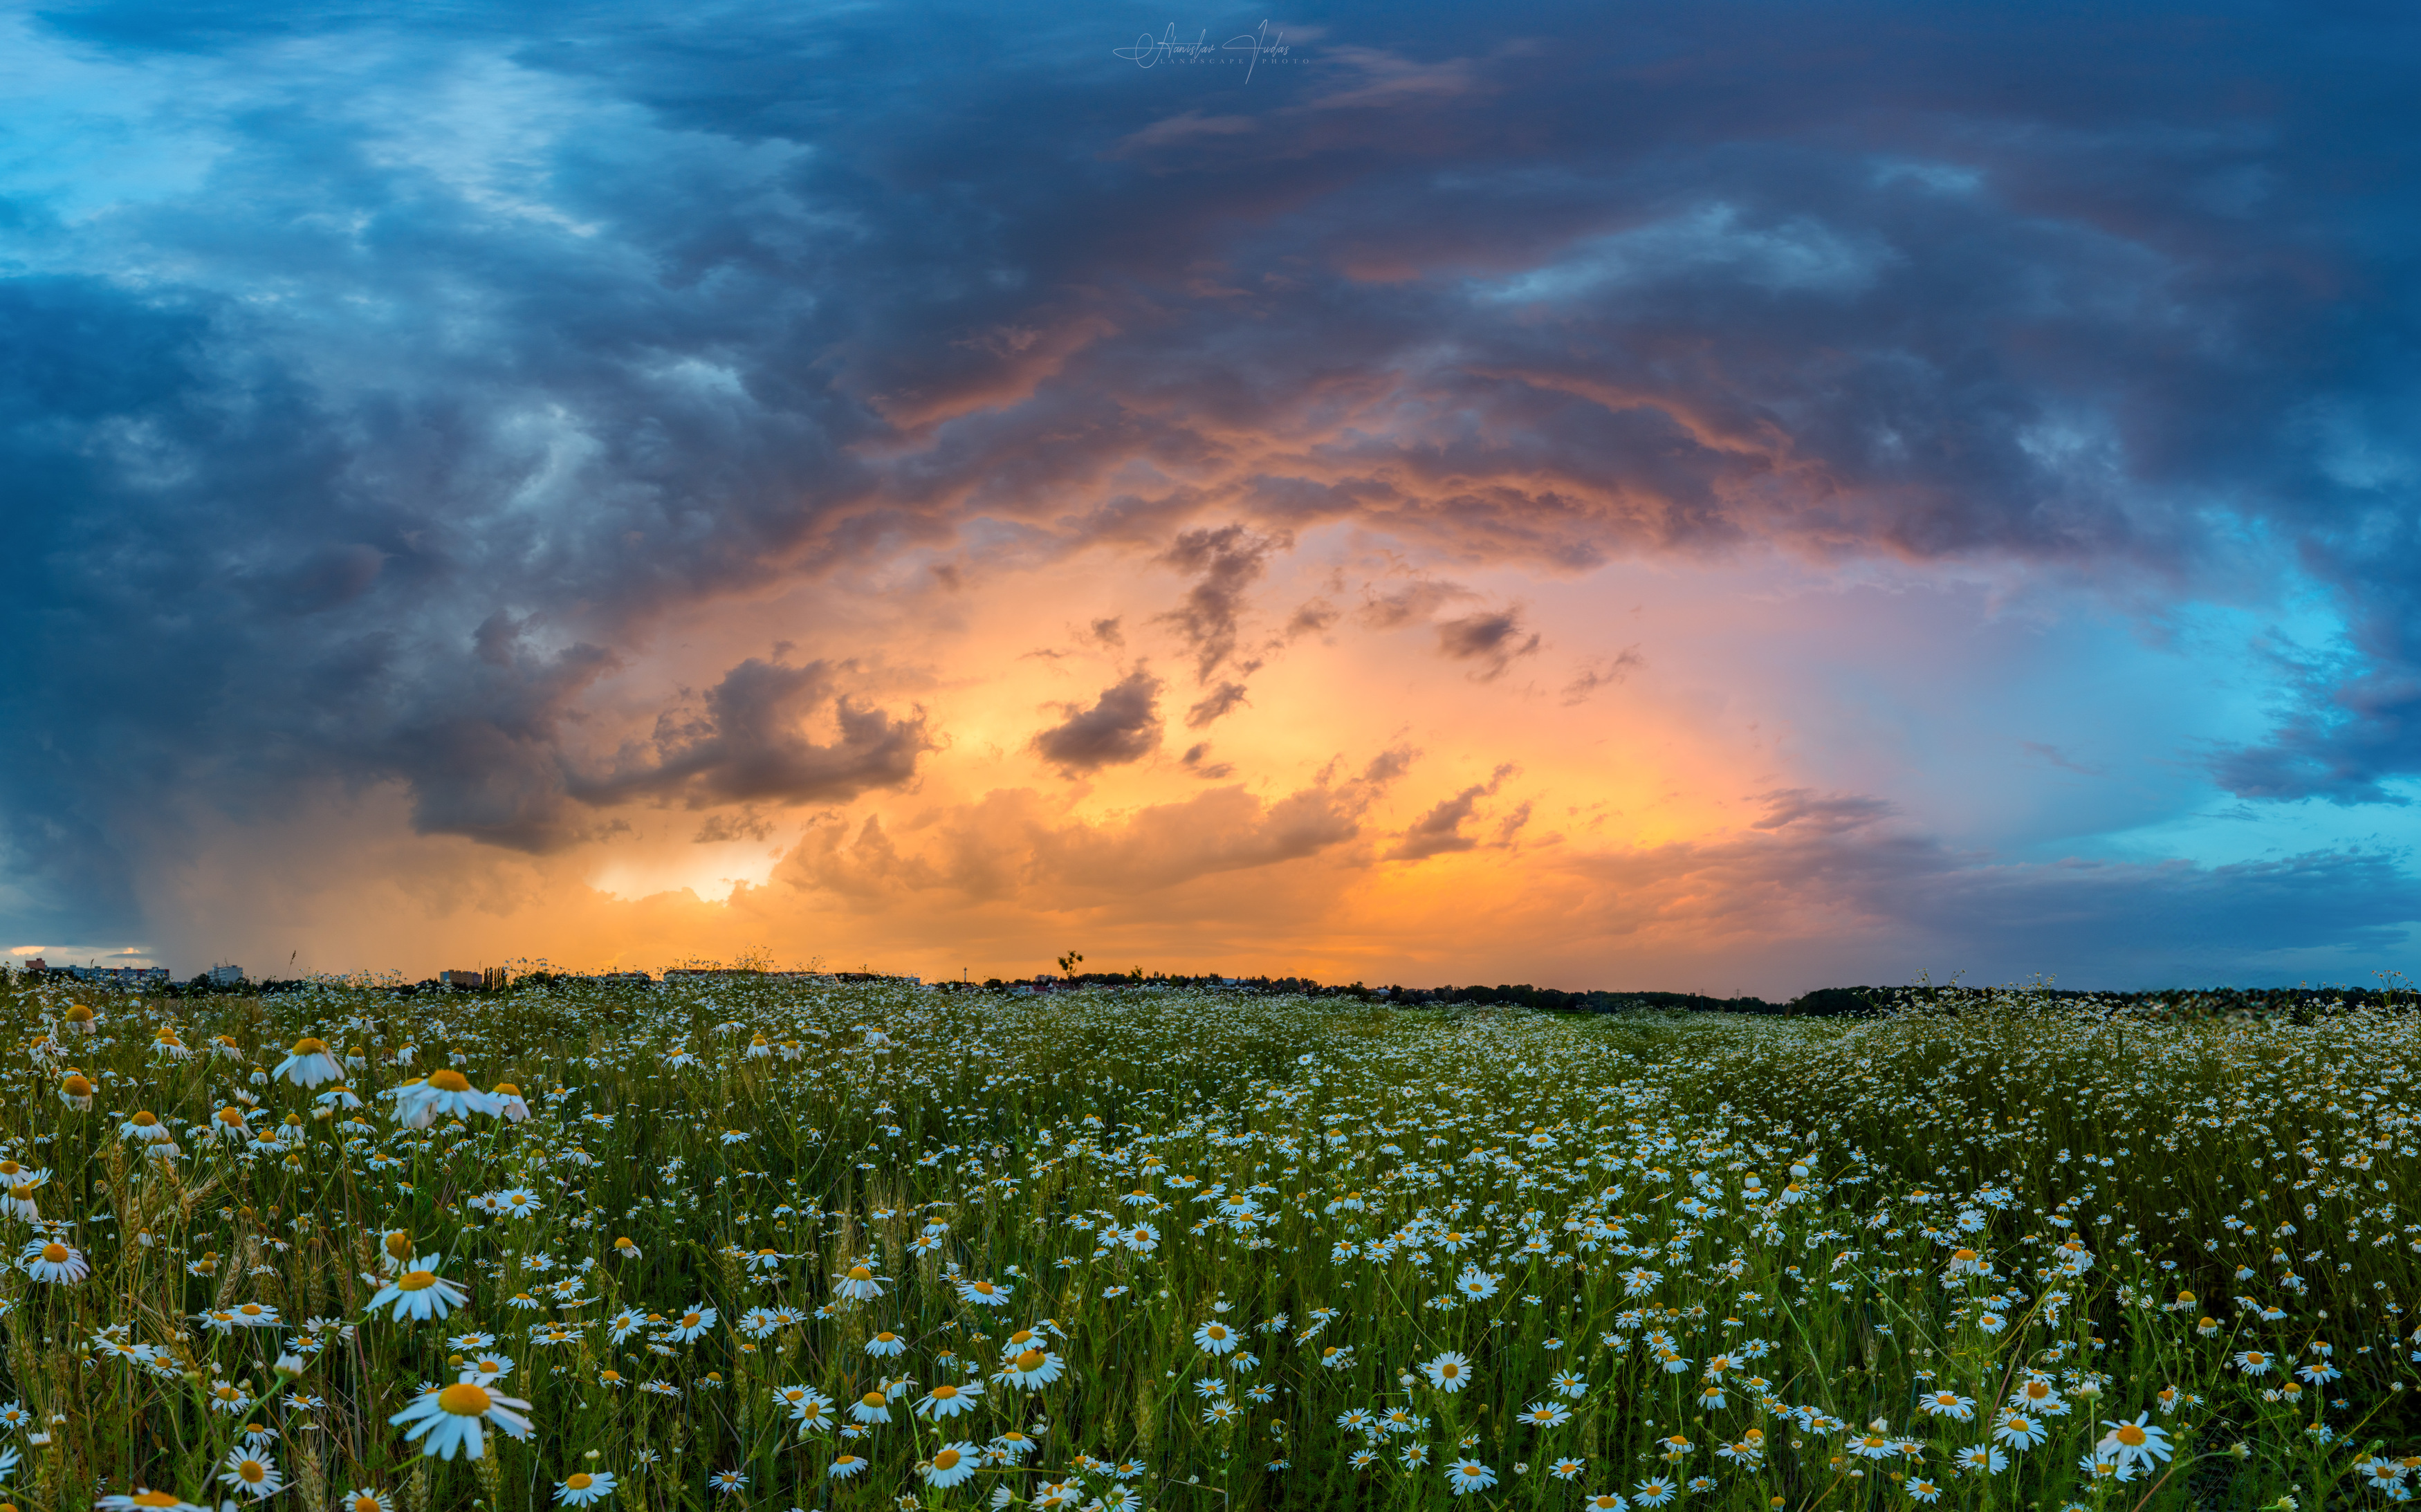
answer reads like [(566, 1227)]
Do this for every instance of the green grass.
[(1592, 1173)]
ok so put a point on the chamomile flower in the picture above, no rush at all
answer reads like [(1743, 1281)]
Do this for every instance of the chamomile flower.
[(859, 1285), (252, 1474), (450, 1420), (53, 1262), (1215, 1337), (951, 1463), (1031, 1369), (2139, 1442), (309, 1064), (420, 1293), (583, 1487), (363, 1499), (947, 1400), (145, 1500), (1448, 1372)]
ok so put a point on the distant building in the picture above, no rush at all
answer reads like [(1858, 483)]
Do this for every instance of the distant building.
[(225, 975), (121, 976), (462, 978)]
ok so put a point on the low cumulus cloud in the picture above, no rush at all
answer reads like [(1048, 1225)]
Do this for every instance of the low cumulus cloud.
[(1601, 672), (1224, 564), (1019, 845), (1492, 642), (1439, 832), (1120, 726)]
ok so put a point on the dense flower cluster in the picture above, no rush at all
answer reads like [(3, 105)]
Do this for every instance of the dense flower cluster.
[(798, 1245)]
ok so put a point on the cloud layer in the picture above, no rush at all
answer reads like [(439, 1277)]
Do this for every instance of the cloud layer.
[(467, 411)]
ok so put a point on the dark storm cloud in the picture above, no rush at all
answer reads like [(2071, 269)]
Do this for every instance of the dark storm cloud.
[(1123, 725), (726, 296), (750, 744)]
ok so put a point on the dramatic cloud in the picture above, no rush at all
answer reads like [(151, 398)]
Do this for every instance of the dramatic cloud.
[(751, 745), (1123, 725), (402, 414)]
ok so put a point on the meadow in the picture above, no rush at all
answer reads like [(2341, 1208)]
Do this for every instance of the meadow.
[(740, 1244)]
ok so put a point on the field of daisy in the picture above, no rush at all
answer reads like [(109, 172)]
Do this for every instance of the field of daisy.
[(756, 1244)]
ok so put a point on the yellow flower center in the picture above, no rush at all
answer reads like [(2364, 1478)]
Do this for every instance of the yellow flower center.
[(23, 1191), (624, 1243), (308, 1046), (250, 1309), (76, 1087), (80, 1014), (872, 1399), (609, 1375), (464, 1400), (845, 1459), (1023, 1336), (416, 1280), (253, 1470), (943, 1392), (690, 1319), (2130, 1434), (55, 1253), (506, 1089), (366, 1503), (581, 1480), (449, 1080), (946, 1459), (151, 1498), (143, 1120), (1030, 1359), (232, 1117), (886, 1336), (859, 1272)]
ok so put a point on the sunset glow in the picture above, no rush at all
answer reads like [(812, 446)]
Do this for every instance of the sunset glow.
[(1600, 498)]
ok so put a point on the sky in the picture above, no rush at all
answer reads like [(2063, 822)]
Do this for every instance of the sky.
[(1727, 498)]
